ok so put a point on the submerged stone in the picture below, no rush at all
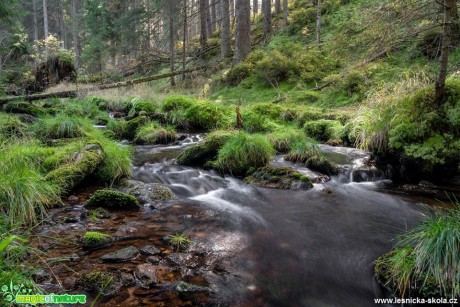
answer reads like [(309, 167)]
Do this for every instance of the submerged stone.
[(150, 193), (121, 255), (149, 250), (147, 275)]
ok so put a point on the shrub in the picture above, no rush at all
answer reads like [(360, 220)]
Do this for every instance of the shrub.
[(238, 73), (111, 199), (242, 152), (154, 133)]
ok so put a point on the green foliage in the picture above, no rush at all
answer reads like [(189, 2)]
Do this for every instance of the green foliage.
[(92, 240), (112, 199), (138, 105), (284, 138), (179, 241), (154, 133), (324, 129), (242, 152), (11, 126), (302, 151), (58, 127), (96, 281), (426, 261), (24, 192), (177, 102)]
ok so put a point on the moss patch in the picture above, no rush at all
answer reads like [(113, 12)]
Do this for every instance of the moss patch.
[(279, 178), (93, 240), (114, 200), (322, 165)]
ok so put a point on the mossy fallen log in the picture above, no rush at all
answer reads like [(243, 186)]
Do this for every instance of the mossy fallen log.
[(84, 163)]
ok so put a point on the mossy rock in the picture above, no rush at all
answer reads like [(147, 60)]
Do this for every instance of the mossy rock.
[(279, 178), (69, 175), (148, 192), (23, 108), (113, 200), (94, 240), (204, 151), (100, 282), (322, 165)]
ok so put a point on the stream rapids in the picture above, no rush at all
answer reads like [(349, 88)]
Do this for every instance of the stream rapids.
[(251, 246)]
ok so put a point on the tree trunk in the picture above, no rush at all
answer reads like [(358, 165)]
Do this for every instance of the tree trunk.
[(184, 40), (455, 29), (285, 12), (34, 6), (440, 84), (243, 30), (225, 33), (277, 7), (203, 27), (45, 22), (318, 23), (171, 46), (267, 11), (208, 19), (74, 17), (213, 15), (255, 7)]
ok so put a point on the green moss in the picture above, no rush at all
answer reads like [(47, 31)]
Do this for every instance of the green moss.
[(23, 108), (11, 126), (93, 240), (138, 105), (206, 150), (69, 175), (279, 178), (96, 281), (322, 165), (111, 199), (243, 151)]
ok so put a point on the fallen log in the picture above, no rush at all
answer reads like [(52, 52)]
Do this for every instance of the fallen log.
[(74, 93)]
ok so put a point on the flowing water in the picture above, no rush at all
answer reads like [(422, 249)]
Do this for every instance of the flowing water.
[(263, 247)]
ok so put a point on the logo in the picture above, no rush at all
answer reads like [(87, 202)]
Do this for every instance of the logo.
[(21, 294)]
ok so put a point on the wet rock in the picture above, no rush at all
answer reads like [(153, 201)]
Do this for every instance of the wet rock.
[(427, 185), (147, 275), (322, 165), (72, 217), (149, 250), (327, 191), (150, 193), (73, 198), (366, 173), (95, 240), (127, 279), (186, 287), (69, 283), (102, 213), (279, 178), (112, 200), (184, 260), (121, 255), (153, 259), (41, 276), (130, 230)]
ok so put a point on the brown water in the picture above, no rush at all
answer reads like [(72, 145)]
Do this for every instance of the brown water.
[(251, 246)]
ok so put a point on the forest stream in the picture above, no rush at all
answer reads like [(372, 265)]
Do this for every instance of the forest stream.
[(250, 246)]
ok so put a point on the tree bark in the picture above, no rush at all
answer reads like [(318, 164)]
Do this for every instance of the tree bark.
[(45, 23), (184, 40), (225, 33), (267, 11), (213, 15), (255, 7), (74, 17), (208, 19), (440, 84), (171, 47), (277, 7), (285, 12), (318, 23), (243, 30), (34, 6), (203, 27)]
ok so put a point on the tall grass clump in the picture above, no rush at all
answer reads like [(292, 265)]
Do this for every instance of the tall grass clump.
[(61, 126), (302, 151), (154, 133), (24, 192), (284, 138), (11, 126), (427, 259), (242, 152)]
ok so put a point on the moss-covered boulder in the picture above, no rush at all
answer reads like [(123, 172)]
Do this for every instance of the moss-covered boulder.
[(204, 151), (94, 240), (154, 133), (323, 166), (279, 178), (150, 193), (100, 282), (23, 108), (84, 163), (112, 200)]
